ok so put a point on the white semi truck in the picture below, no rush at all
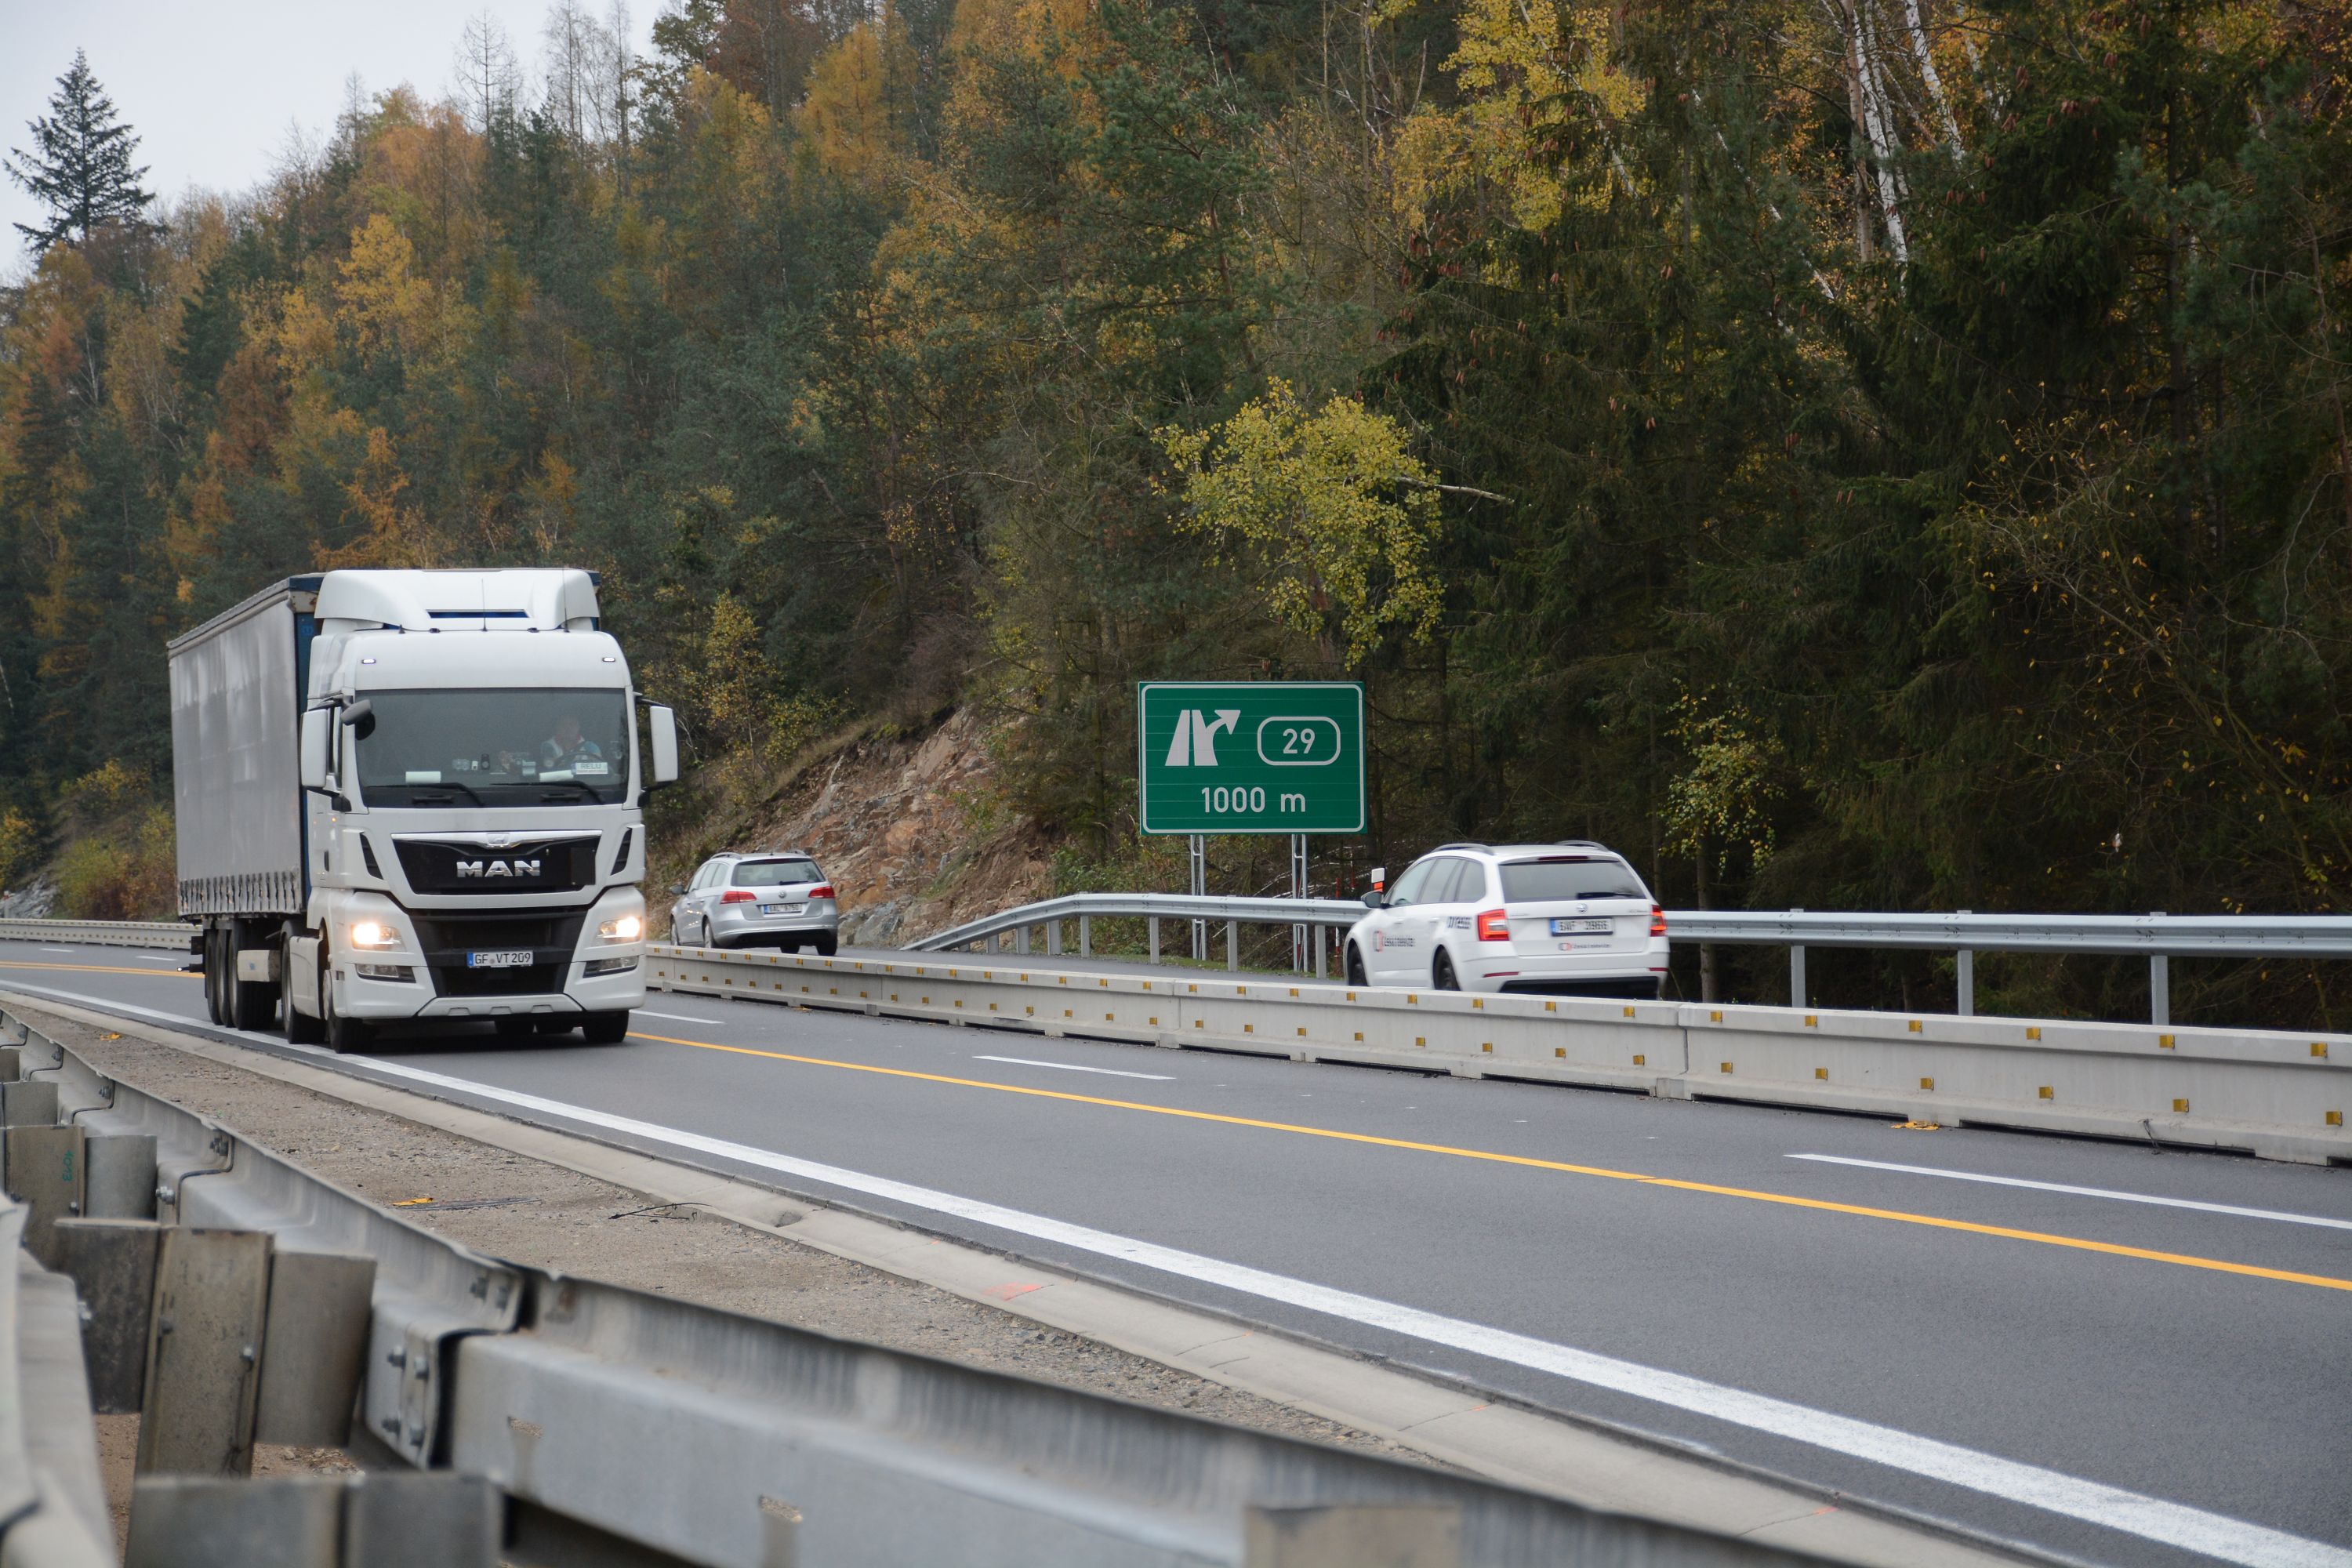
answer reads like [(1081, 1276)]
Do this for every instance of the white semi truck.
[(413, 796)]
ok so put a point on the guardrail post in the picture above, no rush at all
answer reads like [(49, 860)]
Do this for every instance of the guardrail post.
[(314, 1348), (2159, 989), (1085, 936), (1965, 971), (44, 1173), (1154, 921), (1796, 970), (119, 1175), (112, 1265), (1322, 947), (1054, 938), (1233, 946), (204, 1357), (1020, 940)]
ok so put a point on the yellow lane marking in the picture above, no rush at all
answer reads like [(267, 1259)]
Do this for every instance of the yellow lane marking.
[(97, 969), (1901, 1217)]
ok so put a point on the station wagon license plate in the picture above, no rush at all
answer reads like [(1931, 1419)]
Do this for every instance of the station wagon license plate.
[(780, 909), (1583, 928), (518, 959)]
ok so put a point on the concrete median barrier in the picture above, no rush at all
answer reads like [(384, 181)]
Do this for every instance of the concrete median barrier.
[(2278, 1096)]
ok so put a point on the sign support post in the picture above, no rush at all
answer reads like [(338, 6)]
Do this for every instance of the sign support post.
[(1200, 858), (1299, 891)]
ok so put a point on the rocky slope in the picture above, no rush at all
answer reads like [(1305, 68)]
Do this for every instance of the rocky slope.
[(909, 828)]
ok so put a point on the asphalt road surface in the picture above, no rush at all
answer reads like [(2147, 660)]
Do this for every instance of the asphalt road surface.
[(2104, 1352)]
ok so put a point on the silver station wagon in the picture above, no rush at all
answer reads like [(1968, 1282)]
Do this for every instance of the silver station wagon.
[(776, 898)]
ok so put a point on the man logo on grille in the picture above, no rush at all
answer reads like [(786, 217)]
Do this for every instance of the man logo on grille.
[(498, 869)]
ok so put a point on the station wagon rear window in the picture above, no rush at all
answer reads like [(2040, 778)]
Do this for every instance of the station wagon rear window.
[(775, 873), (1556, 881)]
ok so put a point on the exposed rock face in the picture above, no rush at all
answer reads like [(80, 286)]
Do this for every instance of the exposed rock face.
[(37, 901), (907, 831)]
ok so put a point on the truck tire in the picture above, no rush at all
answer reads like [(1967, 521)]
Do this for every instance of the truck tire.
[(301, 1029), (343, 1035), (252, 1003), (216, 1007), (605, 1028)]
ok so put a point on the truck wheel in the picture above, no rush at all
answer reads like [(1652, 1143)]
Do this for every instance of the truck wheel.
[(343, 1033), (605, 1028), (252, 1004), (213, 1006), (301, 1029)]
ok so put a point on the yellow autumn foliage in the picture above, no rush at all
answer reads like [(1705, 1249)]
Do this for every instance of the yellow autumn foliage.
[(1338, 512), (1536, 75)]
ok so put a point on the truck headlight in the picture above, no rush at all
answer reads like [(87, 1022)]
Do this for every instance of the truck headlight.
[(622, 928), (374, 933)]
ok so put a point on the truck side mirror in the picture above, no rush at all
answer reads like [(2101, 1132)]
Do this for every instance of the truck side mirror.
[(663, 723), (315, 736)]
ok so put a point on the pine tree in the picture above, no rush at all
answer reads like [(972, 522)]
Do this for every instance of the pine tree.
[(80, 164)]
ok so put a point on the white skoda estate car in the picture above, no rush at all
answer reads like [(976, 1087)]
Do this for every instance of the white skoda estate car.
[(1557, 920)]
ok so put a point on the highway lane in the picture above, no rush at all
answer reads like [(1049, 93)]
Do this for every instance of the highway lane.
[(2112, 1340)]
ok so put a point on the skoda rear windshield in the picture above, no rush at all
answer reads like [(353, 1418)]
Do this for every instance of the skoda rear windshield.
[(775, 873), (505, 746), (1562, 879)]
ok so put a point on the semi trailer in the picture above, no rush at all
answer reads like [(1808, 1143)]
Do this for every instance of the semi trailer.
[(410, 796)]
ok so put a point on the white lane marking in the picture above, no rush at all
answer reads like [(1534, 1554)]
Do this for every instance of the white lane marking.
[(2113, 1508), (1073, 1066), (2280, 1214), (156, 957), (674, 1017), (60, 950)]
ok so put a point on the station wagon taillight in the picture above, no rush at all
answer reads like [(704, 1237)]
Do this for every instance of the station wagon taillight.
[(822, 890), (738, 896), (1657, 920), (1495, 925)]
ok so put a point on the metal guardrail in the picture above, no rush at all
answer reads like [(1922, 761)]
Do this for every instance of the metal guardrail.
[(2157, 936), (172, 934), (685, 1433), (1152, 908), (2275, 1095)]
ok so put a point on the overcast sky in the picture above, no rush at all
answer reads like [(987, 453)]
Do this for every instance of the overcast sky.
[(213, 88)]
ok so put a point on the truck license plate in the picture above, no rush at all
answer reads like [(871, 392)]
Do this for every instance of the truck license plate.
[(1581, 927), (516, 959)]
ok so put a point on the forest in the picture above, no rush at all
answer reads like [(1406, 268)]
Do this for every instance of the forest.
[(1864, 454)]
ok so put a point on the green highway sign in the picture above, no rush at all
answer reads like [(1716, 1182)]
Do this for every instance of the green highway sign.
[(1252, 756)]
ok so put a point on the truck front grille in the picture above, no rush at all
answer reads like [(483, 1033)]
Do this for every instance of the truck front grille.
[(534, 866), (446, 938)]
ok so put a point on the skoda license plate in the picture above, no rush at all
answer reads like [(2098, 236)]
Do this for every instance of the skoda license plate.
[(518, 959), (1583, 928)]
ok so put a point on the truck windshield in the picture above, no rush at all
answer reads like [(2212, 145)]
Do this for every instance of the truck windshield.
[(508, 745)]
